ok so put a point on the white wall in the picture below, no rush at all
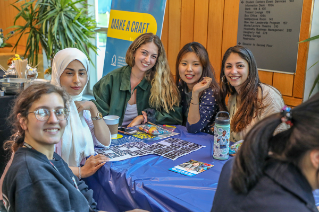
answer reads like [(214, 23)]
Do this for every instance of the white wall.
[(313, 54)]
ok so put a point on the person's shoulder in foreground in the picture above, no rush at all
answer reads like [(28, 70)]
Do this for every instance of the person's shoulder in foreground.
[(281, 188), (33, 184)]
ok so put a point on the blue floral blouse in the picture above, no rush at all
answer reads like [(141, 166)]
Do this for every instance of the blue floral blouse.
[(208, 109)]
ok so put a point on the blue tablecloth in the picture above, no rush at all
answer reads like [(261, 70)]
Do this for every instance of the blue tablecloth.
[(145, 182)]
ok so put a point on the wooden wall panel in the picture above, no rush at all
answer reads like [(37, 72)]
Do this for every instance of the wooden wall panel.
[(174, 31), (164, 36), (230, 28), (187, 22), (284, 83), (266, 77), (291, 101), (305, 27), (215, 34), (201, 21), (194, 20), (214, 23)]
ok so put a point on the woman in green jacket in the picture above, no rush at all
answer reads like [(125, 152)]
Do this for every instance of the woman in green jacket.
[(142, 91)]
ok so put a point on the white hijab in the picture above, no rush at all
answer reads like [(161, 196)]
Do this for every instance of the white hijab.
[(77, 141)]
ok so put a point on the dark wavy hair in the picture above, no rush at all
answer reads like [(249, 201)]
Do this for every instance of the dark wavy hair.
[(288, 146), (250, 106), (208, 70), (22, 105)]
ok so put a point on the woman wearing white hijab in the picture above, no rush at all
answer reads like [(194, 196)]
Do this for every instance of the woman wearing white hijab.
[(70, 70)]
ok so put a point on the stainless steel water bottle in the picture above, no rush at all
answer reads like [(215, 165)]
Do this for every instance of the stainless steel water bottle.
[(221, 137)]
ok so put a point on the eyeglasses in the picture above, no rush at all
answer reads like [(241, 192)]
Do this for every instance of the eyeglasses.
[(43, 114)]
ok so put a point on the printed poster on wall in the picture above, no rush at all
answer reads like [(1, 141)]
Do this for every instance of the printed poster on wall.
[(270, 29), (128, 20)]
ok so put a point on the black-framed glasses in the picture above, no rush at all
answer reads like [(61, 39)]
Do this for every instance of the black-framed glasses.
[(43, 114)]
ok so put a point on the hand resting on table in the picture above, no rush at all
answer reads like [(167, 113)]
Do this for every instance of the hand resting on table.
[(92, 164)]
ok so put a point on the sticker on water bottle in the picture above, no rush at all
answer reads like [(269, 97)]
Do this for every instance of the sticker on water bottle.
[(221, 143)]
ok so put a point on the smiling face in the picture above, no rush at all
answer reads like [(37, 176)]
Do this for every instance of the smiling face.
[(190, 69), (236, 70), (74, 78), (44, 133), (145, 57)]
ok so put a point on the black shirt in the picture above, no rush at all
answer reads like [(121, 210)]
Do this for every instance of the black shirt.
[(282, 188), (33, 184)]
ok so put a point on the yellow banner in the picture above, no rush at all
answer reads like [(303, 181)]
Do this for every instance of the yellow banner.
[(126, 25)]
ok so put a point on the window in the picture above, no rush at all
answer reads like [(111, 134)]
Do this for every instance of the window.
[(100, 9)]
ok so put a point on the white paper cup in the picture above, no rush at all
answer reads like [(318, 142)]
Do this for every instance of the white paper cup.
[(112, 121)]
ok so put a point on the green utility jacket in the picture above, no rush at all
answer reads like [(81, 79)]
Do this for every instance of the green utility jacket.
[(113, 92)]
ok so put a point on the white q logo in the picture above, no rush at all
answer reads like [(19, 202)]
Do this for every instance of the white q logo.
[(113, 60)]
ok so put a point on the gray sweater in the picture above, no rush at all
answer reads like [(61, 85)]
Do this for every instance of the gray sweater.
[(33, 184)]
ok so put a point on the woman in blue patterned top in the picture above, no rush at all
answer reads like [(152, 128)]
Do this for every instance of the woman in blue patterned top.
[(198, 88)]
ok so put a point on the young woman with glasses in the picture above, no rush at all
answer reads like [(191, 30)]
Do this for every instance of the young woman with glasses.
[(38, 178)]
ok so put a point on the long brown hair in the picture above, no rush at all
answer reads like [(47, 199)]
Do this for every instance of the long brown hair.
[(250, 106), (208, 70), (164, 92), (22, 105)]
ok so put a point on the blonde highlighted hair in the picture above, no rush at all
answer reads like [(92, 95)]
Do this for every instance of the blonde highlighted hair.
[(164, 92)]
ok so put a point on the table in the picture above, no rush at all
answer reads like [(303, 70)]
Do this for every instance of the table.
[(145, 182)]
